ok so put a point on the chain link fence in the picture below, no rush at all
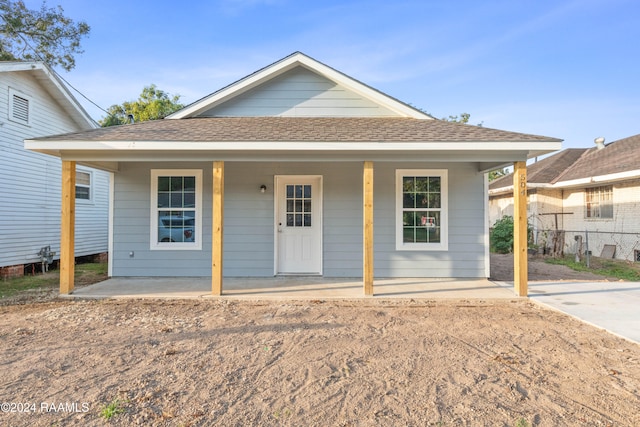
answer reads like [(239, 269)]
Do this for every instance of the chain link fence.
[(603, 244)]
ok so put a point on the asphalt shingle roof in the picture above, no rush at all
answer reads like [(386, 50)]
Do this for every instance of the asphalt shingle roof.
[(299, 129), (546, 171), (619, 156), (579, 163)]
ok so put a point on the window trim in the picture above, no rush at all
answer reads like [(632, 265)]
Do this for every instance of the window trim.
[(90, 186), (153, 243), (16, 93), (609, 189), (443, 245)]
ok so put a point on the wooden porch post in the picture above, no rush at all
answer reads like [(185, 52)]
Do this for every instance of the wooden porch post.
[(520, 237), (217, 228), (367, 241), (67, 227)]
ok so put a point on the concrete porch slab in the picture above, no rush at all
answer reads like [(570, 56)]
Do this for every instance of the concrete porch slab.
[(294, 288)]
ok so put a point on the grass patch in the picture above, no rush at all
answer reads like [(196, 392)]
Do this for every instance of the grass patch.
[(112, 409), (85, 274), (623, 270)]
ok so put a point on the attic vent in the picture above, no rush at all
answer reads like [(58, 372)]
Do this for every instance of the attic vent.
[(18, 108)]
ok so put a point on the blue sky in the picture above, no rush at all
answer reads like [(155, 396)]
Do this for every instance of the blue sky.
[(562, 68)]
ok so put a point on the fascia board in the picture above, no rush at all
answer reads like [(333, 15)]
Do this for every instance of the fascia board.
[(620, 176), (515, 147), (509, 188), (11, 66), (582, 182), (69, 98)]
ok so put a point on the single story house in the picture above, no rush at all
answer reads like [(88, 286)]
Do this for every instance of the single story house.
[(35, 102), (274, 175), (577, 190)]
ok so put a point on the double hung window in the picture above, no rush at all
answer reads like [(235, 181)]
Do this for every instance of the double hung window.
[(421, 209), (83, 185), (599, 202), (176, 209)]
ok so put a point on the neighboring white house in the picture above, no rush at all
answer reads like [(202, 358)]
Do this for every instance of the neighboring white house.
[(298, 169), (34, 102), (594, 190)]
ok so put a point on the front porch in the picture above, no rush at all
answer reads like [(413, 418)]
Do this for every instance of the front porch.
[(296, 288)]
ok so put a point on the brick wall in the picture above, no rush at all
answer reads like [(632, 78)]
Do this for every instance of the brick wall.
[(11, 271)]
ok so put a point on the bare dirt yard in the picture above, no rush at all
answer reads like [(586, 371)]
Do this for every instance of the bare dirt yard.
[(310, 363)]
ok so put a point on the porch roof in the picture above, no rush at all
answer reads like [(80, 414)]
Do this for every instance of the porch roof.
[(299, 129), (295, 139)]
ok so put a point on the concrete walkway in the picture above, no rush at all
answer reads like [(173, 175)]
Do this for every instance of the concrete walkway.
[(612, 306)]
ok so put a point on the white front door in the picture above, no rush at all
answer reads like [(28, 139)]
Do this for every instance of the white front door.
[(299, 224)]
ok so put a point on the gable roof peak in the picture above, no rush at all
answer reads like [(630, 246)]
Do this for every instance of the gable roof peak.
[(297, 59), (55, 86)]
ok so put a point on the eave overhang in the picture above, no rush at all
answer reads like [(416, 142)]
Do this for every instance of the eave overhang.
[(488, 156), (574, 183)]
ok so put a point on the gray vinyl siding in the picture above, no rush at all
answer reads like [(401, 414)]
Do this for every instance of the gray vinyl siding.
[(30, 183), (92, 217), (249, 222), (131, 226), (465, 255), (299, 93)]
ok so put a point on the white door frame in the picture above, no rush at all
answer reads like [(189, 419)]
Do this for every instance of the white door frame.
[(276, 212)]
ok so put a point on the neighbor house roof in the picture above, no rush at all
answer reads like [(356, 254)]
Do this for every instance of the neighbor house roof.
[(545, 171), (581, 166), (617, 157)]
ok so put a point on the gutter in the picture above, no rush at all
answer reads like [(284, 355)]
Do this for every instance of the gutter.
[(581, 182)]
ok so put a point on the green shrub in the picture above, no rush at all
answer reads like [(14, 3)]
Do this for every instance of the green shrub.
[(501, 237)]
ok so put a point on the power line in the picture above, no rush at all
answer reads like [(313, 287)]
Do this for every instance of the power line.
[(81, 94)]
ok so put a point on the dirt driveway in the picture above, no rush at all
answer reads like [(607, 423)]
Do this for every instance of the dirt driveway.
[(315, 363), (502, 270)]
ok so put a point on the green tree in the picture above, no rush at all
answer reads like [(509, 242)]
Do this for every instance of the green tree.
[(498, 173), (43, 35), (463, 118), (153, 104)]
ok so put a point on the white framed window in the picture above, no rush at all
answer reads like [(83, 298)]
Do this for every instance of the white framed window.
[(19, 107), (421, 210), (83, 185), (176, 209), (599, 202)]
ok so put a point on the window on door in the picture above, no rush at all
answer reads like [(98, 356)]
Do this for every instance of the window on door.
[(298, 205), (176, 209), (421, 209)]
